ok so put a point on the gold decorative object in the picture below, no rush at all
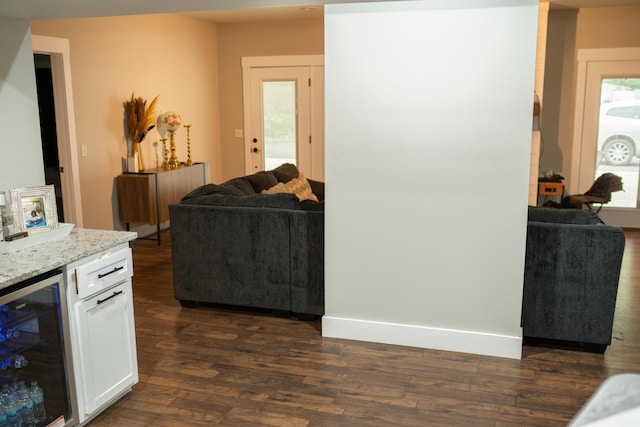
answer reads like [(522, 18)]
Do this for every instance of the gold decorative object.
[(165, 152), (189, 161), (173, 162), (139, 120), (170, 122)]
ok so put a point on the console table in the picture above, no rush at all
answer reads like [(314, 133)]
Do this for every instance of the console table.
[(144, 197)]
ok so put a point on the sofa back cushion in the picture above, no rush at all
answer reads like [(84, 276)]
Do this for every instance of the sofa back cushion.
[(239, 187), (563, 216), (279, 201), (262, 180), (286, 172)]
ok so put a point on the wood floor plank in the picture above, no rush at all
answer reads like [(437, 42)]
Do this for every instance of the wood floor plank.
[(217, 365)]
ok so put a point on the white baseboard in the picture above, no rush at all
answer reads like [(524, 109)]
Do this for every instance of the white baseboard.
[(423, 337)]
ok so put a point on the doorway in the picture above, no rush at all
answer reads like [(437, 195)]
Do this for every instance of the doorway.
[(57, 50), (284, 113), (48, 133)]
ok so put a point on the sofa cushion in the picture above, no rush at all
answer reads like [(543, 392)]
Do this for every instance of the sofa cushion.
[(298, 186), (235, 187), (563, 216), (301, 188), (280, 201), (239, 187), (262, 180), (206, 189), (286, 172), (280, 187)]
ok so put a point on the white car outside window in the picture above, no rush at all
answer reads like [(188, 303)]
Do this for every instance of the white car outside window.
[(619, 132)]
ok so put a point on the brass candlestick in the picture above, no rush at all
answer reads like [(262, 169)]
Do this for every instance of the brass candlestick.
[(189, 161), (165, 152), (173, 162)]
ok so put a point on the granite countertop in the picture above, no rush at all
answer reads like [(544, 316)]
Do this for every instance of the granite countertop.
[(81, 242)]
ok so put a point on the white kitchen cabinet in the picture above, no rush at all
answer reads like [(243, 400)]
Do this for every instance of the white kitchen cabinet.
[(102, 329)]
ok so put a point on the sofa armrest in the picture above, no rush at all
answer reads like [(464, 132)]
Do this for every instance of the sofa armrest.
[(231, 255), (571, 281)]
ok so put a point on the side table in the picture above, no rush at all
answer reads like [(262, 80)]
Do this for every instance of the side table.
[(144, 197), (548, 189)]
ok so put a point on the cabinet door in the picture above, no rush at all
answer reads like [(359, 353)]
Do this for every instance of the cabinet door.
[(107, 345)]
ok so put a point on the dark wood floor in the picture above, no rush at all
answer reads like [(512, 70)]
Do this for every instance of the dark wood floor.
[(211, 366)]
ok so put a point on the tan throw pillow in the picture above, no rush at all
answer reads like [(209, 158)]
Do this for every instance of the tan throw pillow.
[(280, 187), (301, 188)]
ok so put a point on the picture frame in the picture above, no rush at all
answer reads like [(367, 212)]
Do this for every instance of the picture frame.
[(34, 209)]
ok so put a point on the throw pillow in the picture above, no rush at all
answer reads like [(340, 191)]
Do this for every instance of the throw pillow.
[(301, 188), (280, 187), (286, 172), (262, 180)]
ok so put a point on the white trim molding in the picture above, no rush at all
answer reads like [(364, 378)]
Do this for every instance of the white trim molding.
[(423, 337)]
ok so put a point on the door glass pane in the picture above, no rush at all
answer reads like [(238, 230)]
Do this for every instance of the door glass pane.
[(34, 348), (619, 137), (279, 106)]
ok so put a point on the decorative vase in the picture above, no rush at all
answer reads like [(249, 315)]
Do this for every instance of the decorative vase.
[(136, 148)]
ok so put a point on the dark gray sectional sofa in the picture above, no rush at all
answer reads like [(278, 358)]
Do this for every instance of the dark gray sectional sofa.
[(572, 269), (233, 245)]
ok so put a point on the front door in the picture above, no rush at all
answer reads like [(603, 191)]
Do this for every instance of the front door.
[(606, 131), (284, 118)]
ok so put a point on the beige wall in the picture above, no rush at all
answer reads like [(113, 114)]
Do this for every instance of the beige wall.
[(608, 27), (193, 66), (304, 37), (171, 56)]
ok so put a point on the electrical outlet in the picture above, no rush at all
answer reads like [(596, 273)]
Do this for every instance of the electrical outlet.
[(83, 148), (237, 133)]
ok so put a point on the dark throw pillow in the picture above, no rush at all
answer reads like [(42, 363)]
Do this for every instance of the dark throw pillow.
[(262, 180), (286, 172)]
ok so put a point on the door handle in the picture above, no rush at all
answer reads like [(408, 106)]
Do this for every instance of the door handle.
[(116, 269), (115, 294), (255, 149)]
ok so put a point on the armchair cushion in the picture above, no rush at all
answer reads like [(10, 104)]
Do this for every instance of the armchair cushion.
[(564, 216)]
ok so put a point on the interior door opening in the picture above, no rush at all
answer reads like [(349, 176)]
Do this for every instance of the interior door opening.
[(48, 130), (65, 168)]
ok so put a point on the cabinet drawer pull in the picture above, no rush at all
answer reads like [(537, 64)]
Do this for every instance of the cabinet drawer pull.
[(100, 276), (115, 294)]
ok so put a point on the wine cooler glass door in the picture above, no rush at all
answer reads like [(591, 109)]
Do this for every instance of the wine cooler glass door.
[(36, 373)]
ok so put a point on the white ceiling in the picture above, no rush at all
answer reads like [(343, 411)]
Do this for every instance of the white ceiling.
[(52, 9), (581, 4), (214, 10)]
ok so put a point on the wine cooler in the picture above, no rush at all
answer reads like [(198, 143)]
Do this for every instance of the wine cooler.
[(36, 374)]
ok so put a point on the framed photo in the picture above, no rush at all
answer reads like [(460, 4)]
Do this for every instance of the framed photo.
[(34, 208)]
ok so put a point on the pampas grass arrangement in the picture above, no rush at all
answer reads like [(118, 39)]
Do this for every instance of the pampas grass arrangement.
[(139, 119)]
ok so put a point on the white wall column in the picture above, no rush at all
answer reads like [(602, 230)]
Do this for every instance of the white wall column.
[(428, 141)]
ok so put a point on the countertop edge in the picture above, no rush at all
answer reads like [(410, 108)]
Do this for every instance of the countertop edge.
[(80, 243)]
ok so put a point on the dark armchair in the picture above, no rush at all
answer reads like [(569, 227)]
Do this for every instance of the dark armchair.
[(572, 269)]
